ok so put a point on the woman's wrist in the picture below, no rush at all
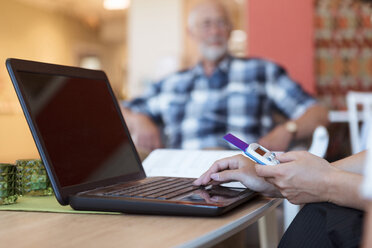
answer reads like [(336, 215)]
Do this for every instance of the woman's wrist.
[(343, 189), (332, 186)]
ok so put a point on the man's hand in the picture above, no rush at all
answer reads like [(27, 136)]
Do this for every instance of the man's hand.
[(277, 139), (237, 168), (301, 177), (145, 134)]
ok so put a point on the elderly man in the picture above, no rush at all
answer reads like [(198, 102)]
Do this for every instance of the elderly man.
[(221, 94)]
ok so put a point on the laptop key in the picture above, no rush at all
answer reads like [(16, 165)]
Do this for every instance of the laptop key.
[(162, 188), (162, 191), (177, 193), (147, 190), (119, 189)]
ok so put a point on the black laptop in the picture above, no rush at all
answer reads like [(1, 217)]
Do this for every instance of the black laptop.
[(88, 153)]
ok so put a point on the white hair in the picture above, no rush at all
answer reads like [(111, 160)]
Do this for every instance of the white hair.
[(192, 17)]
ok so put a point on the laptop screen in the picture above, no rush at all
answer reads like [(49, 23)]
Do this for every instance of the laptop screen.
[(80, 127)]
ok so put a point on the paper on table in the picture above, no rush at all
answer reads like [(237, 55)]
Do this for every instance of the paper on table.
[(184, 163)]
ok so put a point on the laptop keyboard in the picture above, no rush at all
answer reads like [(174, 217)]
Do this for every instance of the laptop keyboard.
[(163, 188)]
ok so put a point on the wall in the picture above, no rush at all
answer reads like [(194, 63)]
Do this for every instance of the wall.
[(283, 31), (31, 33), (155, 34)]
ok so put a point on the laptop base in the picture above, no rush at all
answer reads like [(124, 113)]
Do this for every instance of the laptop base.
[(161, 207)]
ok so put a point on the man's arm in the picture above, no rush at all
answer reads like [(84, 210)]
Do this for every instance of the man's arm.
[(145, 133), (141, 114), (295, 104), (280, 138), (315, 116)]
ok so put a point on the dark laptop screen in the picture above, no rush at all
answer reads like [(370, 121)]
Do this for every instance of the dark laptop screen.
[(80, 128)]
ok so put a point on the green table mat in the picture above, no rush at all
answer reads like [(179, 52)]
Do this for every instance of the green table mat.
[(44, 204)]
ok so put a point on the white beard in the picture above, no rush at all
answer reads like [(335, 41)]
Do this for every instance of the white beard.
[(212, 53)]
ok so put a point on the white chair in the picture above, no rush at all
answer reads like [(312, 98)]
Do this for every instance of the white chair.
[(359, 133), (319, 145)]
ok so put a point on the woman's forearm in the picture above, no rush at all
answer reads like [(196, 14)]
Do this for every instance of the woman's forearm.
[(367, 236), (354, 163), (343, 189)]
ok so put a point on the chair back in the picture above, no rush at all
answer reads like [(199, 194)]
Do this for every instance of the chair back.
[(319, 144), (359, 120)]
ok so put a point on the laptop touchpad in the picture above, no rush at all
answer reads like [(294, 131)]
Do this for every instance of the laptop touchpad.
[(216, 195)]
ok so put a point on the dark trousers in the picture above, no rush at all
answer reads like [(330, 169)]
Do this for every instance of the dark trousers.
[(324, 225)]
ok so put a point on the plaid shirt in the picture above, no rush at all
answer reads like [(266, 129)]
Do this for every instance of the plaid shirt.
[(240, 97)]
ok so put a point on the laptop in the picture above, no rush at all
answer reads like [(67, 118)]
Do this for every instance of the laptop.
[(88, 153)]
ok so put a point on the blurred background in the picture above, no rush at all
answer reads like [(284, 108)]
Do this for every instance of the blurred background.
[(325, 45)]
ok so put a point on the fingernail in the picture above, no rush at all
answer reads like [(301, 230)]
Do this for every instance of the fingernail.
[(215, 176)]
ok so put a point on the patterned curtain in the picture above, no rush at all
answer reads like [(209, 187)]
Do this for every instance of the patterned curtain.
[(343, 45)]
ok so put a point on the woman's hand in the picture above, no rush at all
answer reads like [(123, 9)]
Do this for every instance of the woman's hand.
[(237, 168), (301, 177)]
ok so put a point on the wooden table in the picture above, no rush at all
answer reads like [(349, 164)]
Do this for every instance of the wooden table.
[(35, 229)]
